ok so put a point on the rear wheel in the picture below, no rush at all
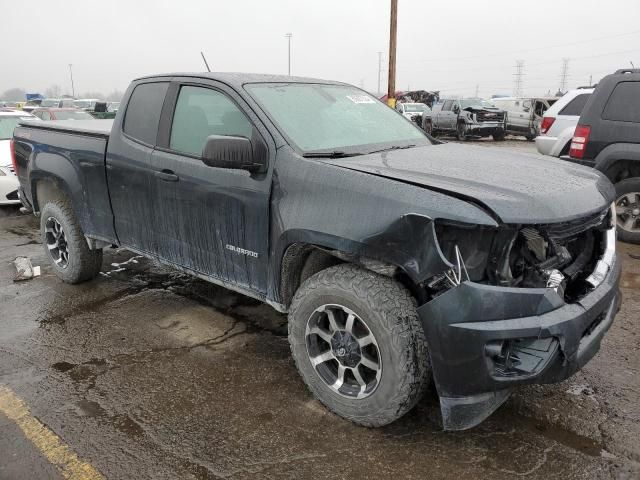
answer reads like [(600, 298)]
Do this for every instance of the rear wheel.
[(358, 344), (65, 244), (628, 210)]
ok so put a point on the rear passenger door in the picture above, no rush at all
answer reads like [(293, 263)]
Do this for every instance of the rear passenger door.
[(130, 175), (213, 221)]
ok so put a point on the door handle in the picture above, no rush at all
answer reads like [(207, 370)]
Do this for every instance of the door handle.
[(167, 176)]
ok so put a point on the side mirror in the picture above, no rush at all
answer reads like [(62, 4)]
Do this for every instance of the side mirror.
[(234, 152), (456, 108)]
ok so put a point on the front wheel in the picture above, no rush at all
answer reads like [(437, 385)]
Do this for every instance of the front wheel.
[(65, 244), (428, 127), (359, 345), (461, 131), (499, 136), (628, 210)]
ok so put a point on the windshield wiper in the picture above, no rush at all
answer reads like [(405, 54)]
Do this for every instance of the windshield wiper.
[(332, 154), (394, 147)]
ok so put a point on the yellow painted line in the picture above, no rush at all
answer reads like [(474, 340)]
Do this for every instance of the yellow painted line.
[(51, 446)]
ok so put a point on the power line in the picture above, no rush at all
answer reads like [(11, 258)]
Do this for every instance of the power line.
[(533, 49), (517, 85), (564, 72)]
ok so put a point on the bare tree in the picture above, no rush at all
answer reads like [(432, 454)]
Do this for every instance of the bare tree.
[(54, 91), (97, 95), (14, 95), (115, 96)]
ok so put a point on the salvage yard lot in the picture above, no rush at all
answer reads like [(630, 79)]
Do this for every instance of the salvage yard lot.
[(147, 373)]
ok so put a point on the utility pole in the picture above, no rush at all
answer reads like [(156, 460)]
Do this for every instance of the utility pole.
[(590, 80), (517, 86), (564, 73), (393, 31), (379, 72), (289, 35), (73, 89), (477, 89)]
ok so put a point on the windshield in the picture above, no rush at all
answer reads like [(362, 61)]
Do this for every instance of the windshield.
[(318, 117), (7, 124), (475, 102), (414, 107), (50, 102), (72, 115)]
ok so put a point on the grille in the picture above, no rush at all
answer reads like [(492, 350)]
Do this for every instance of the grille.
[(490, 116), (575, 227)]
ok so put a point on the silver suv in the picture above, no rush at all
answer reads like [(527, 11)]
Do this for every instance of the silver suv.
[(559, 122)]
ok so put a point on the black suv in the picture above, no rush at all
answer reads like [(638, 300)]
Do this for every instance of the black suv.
[(608, 138)]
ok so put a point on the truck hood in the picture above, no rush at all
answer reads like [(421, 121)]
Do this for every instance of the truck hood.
[(515, 187)]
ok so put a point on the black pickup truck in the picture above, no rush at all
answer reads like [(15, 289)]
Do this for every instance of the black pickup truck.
[(399, 259)]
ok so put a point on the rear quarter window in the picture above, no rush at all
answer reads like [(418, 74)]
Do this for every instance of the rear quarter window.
[(143, 111), (624, 103), (575, 106)]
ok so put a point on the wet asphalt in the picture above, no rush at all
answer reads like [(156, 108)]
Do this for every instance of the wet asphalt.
[(147, 373)]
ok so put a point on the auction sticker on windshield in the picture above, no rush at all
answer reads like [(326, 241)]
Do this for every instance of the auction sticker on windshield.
[(361, 99)]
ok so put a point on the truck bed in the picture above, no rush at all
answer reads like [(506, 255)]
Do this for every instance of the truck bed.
[(72, 152), (97, 128)]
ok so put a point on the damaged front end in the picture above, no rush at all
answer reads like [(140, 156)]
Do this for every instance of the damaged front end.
[(519, 304)]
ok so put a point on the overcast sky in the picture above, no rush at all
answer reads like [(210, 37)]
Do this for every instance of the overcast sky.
[(447, 45)]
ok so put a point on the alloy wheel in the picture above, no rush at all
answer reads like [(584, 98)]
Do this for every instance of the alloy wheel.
[(628, 212), (343, 351), (56, 242)]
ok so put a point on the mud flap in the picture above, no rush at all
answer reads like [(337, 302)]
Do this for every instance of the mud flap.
[(462, 413)]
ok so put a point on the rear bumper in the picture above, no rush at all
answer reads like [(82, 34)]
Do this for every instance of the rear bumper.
[(586, 163), (469, 324), (545, 145)]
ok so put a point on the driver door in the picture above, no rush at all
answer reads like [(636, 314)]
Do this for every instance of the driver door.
[(213, 221)]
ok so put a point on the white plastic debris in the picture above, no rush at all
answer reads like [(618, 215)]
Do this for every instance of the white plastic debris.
[(24, 269)]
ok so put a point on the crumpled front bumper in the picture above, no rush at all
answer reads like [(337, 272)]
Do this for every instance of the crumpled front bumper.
[(485, 128), (466, 327)]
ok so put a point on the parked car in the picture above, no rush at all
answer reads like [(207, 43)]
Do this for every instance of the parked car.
[(113, 106), (88, 104), (559, 122), (607, 138), (31, 105), (8, 181), (524, 115), (61, 114), (57, 103), (412, 111), (395, 256), (466, 118)]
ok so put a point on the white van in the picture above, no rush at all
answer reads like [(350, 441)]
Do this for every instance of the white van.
[(524, 114)]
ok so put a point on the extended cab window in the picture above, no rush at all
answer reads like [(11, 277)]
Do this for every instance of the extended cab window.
[(624, 103), (143, 111), (201, 112), (575, 106), (448, 104)]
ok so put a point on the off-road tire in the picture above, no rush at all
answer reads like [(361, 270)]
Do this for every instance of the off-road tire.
[(499, 137), (628, 185), (460, 129), (428, 128), (390, 314), (84, 264)]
